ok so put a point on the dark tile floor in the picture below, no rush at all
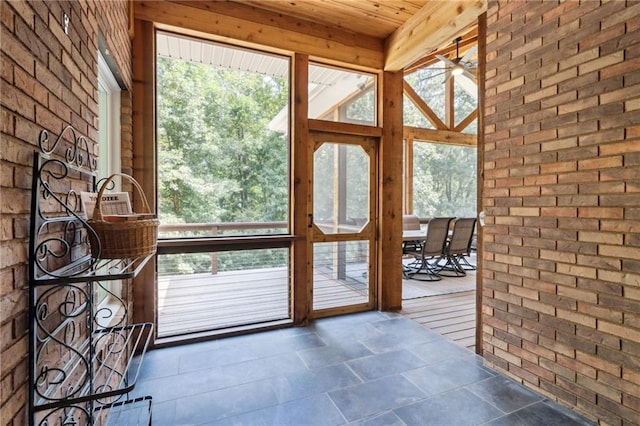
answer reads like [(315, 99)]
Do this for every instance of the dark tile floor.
[(364, 369)]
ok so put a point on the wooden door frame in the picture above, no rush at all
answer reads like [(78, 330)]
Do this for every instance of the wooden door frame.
[(369, 144)]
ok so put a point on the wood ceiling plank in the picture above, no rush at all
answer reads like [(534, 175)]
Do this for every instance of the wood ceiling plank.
[(231, 21), (370, 17), (391, 14), (285, 21), (435, 25)]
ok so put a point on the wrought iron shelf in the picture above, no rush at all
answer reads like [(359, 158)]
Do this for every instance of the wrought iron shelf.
[(101, 270), (99, 368), (131, 412), (81, 344)]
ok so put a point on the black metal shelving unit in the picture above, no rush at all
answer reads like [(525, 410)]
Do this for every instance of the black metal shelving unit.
[(81, 352)]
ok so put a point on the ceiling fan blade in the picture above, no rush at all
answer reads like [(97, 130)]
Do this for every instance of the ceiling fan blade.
[(469, 75), (472, 65), (469, 54), (468, 85), (445, 60), (433, 75)]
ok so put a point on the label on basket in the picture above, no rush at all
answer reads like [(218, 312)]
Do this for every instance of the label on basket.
[(113, 203)]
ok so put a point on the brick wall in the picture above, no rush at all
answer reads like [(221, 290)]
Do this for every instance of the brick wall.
[(561, 301), (48, 80)]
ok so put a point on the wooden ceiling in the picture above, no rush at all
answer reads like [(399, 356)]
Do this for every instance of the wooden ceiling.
[(410, 29), (376, 18), (373, 34)]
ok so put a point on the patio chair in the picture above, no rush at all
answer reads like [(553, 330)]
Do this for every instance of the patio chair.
[(410, 222), (432, 248), (473, 246), (455, 249)]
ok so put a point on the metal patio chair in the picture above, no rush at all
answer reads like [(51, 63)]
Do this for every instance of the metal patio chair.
[(456, 247), (431, 249)]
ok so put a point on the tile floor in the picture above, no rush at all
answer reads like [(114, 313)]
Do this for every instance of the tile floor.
[(363, 369)]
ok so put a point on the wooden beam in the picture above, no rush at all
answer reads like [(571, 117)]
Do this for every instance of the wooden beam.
[(232, 22), (466, 121), (440, 136), (408, 176), (301, 157), (346, 128), (435, 25), (423, 107), (482, 51), (144, 149), (449, 105), (389, 277)]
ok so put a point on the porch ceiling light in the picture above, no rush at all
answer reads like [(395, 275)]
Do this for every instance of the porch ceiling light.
[(457, 69)]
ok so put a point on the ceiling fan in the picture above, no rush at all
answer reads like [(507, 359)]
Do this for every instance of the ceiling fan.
[(460, 66)]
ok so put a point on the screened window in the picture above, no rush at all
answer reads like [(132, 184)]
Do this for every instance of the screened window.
[(341, 95), (222, 138)]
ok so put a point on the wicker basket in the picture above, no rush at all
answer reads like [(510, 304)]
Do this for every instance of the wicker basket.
[(125, 236)]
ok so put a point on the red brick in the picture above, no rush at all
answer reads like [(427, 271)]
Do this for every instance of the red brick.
[(578, 177), (35, 82)]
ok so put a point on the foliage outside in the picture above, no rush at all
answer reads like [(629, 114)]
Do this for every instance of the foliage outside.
[(217, 160), (444, 176)]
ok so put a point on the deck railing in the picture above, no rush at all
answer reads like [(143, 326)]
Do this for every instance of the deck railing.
[(214, 230)]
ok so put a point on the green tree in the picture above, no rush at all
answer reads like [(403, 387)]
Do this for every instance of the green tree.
[(217, 160), (445, 176)]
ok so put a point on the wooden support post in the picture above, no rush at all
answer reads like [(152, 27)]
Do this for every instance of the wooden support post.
[(144, 150), (302, 157), (408, 175), (214, 255), (482, 49), (390, 195), (449, 102)]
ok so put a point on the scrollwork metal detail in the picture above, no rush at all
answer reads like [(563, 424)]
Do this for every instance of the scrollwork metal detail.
[(79, 349), (58, 236), (77, 153)]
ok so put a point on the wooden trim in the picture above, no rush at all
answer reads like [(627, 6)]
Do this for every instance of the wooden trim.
[(440, 136), (207, 245), (344, 128), (130, 16), (423, 107), (230, 21), (389, 276), (408, 176), (340, 310), (259, 15), (433, 26), (482, 51), (301, 158), (366, 233), (449, 104), (144, 160), (466, 121)]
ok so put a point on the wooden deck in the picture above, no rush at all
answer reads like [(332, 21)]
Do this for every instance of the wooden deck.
[(200, 302), (203, 302), (451, 315)]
